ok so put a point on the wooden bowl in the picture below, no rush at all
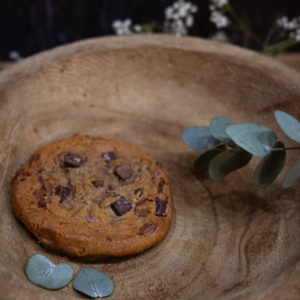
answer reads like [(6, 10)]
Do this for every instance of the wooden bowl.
[(228, 240)]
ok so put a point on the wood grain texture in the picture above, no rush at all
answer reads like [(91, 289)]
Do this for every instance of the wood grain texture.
[(228, 240), (291, 59)]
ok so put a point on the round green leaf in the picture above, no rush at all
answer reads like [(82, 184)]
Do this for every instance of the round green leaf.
[(93, 283), (289, 124), (292, 175), (226, 162), (253, 138), (202, 162), (42, 272), (199, 138), (218, 127), (270, 166)]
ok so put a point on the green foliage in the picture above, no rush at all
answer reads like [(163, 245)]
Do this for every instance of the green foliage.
[(289, 125), (270, 166), (42, 272), (227, 147), (253, 138), (218, 127), (93, 283), (201, 164), (199, 138), (226, 162)]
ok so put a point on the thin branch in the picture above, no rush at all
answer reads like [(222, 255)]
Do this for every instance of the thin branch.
[(242, 26), (285, 148)]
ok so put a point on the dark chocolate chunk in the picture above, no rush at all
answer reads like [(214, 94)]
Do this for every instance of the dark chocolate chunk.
[(73, 160), (64, 192), (151, 173), (21, 175), (160, 186), (97, 184), (40, 170), (89, 218), (33, 158), (42, 202), (148, 228), (41, 198), (40, 179), (138, 192), (158, 163), (121, 206), (47, 186), (124, 172), (160, 207), (109, 156), (143, 213), (109, 188)]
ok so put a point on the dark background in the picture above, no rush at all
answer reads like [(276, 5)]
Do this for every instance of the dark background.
[(31, 26)]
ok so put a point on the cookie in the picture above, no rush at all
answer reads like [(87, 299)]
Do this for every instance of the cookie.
[(91, 197)]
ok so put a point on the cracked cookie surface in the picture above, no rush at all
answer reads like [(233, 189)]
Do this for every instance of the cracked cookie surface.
[(90, 197)]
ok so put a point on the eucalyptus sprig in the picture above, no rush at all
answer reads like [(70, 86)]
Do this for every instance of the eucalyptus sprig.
[(226, 147)]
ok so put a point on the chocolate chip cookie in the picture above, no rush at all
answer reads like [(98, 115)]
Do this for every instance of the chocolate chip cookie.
[(90, 197)]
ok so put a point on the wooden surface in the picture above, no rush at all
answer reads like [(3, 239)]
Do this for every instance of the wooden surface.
[(228, 240), (290, 59)]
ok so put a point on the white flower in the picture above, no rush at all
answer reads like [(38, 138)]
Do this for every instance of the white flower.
[(175, 15), (176, 27), (212, 7), (182, 11), (14, 55), (287, 24), (219, 3), (193, 9), (189, 21), (179, 16), (127, 22), (122, 27), (295, 35), (137, 28), (176, 4), (169, 12), (220, 36), (292, 27), (116, 24), (219, 19)]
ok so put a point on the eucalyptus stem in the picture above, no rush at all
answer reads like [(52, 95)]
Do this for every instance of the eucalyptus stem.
[(279, 47), (285, 148), (242, 26), (268, 38)]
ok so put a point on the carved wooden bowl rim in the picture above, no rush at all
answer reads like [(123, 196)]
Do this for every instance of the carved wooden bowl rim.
[(198, 284)]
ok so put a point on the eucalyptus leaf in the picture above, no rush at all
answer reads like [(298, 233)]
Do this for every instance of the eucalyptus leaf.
[(292, 175), (199, 138), (218, 127), (253, 138), (226, 162), (270, 166), (289, 124), (93, 283), (202, 162), (42, 272)]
